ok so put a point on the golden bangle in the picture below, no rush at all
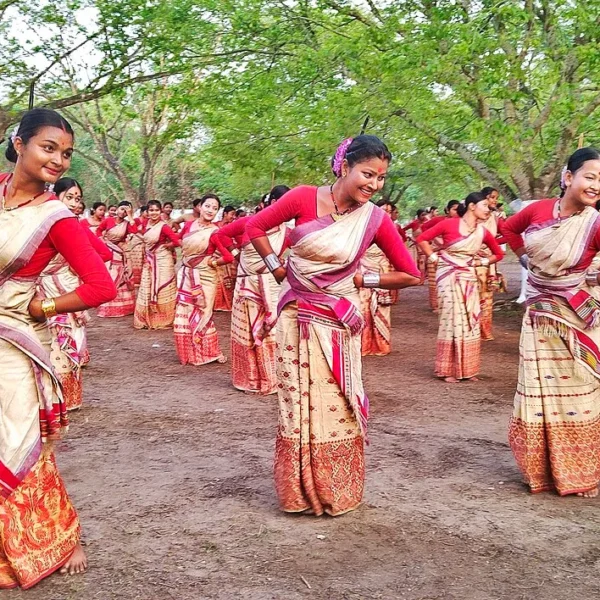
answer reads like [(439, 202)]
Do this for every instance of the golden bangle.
[(49, 307)]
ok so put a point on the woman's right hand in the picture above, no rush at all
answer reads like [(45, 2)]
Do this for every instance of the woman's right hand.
[(280, 274)]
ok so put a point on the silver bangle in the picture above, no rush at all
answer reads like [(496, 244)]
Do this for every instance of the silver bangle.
[(592, 278), (432, 258), (485, 261), (235, 252), (272, 261), (371, 280)]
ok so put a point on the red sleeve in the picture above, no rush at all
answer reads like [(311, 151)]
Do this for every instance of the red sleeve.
[(167, 233), (411, 225), (299, 204), (514, 226), (104, 225), (84, 223), (441, 229), (99, 246), (431, 223), (69, 239), (226, 233), (132, 227), (388, 239), (490, 241), (215, 242)]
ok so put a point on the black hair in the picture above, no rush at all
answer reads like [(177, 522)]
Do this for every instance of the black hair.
[(154, 203), (240, 211), (66, 183), (451, 204), (32, 121), (276, 192), (143, 208), (364, 147), (382, 203), (486, 191), (421, 212), (97, 205), (432, 208), (113, 206), (82, 203), (472, 198), (124, 203), (169, 203), (576, 161), (227, 209), (205, 198)]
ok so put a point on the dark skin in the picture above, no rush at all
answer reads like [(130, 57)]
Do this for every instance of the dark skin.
[(354, 188), (45, 158)]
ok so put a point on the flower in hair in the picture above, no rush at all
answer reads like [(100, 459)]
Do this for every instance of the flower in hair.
[(563, 185), (340, 155), (13, 135)]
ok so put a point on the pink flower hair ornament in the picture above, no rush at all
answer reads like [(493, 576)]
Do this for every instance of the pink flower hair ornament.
[(340, 155)]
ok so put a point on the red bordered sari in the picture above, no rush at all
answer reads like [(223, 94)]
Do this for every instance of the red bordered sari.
[(555, 428), (323, 409), (39, 528)]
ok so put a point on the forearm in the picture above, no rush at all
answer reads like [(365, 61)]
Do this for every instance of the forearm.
[(394, 280), (426, 248), (262, 246)]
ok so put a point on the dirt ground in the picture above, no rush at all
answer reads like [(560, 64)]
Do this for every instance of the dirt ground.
[(170, 469)]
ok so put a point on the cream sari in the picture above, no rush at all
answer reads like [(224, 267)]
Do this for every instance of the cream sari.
[(323, 409), (459, 340), (120, 271), (376, 306), (253, 320), (196, 338), (155, 304), (39, 528), (555, 427)]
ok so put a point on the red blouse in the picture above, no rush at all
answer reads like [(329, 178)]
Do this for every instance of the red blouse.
[(110, 222), (449, 231), (540, 212), (99, 246), (234, 232), (166, 235), (432, 222), (214, 242), (69, 238), (300, 204)]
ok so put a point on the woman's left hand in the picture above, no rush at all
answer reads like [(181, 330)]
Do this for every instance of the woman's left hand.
[(358, 280), (35, 310)]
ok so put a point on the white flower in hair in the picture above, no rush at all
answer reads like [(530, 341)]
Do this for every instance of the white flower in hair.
[(13, 135)]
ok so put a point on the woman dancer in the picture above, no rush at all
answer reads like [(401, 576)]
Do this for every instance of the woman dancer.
[(196, 338), (416, 225), (489, 279), (555, 427), (39, 527), (96, 216), (459, 337), (155, 304), (254, 311), (319, 460), (135, 247), (451, 212), (226, 273), (114, 232), (69, 341)]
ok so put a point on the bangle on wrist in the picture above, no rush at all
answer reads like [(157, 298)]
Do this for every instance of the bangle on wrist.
[(592, 278), (433, 257), (371, 280), (485, 261), (235, 252), (272, 261), (49, 307)]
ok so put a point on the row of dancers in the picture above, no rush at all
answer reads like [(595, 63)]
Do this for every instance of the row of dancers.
[(318, 270)]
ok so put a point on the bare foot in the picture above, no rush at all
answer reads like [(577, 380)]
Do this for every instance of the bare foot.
[(222, 359), (252, 392), (77, 563), (451, 380), (473, 379), (589, 494)]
